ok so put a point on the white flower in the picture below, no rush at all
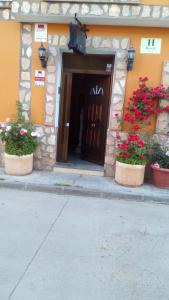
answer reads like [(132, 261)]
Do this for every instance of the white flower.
[(1, 131), (8, 120), (2, 125), (8, 127), (33, 133), (167, 153)]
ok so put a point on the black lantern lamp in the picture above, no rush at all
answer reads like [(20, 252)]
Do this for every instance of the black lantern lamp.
[(43, 55), (77, 37), (130, 59)]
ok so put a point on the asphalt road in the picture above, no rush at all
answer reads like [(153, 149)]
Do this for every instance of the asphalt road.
[(74, 248)]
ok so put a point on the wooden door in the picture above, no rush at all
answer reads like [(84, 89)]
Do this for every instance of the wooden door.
[(95, 118), (63, 134)]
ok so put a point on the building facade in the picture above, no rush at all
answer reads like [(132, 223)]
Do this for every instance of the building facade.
[(55, 97)]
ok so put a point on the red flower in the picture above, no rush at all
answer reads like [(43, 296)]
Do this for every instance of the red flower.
[(136, 128), (125, 146), (141, 144)]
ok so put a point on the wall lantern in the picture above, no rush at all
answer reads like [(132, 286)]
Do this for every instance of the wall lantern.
[(130, 58), (43, 56), (77, 36)]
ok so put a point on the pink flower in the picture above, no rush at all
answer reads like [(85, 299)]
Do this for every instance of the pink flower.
[(118, 136), (21, 132), (156, 165)]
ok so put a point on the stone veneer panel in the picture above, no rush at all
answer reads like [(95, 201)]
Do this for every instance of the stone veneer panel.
[(118, 46), (5, 10), (26, 68), (45, 156), (162, 125), (42, 11)]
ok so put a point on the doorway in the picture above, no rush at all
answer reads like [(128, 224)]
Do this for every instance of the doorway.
[(84, 110)]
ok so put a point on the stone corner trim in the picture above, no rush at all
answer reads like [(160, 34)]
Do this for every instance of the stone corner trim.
[(162, 124)]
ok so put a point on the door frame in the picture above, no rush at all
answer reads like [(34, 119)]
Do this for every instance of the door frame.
[(80, 71), (96, 44)]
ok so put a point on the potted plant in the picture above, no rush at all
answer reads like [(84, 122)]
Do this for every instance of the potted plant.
[(20, 141), (160, 166), (131, 154), (130, 160)]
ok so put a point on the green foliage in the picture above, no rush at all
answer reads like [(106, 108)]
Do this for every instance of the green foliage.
[(160, 155), (131, 161), (19, 135)]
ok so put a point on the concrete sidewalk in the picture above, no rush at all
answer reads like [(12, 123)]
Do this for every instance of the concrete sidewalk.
[(82, 185)]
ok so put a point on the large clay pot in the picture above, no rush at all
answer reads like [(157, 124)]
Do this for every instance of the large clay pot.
[(18, 165), (160, 177), (129, 175)]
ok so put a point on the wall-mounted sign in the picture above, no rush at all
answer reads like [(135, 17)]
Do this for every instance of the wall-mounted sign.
[(150, 45), (108, 67), (39, 77), (41, 32)]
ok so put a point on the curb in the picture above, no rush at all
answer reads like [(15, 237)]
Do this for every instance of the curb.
[(77, 191)]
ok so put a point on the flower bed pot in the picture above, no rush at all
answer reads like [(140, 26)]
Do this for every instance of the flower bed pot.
[(129, 175), (18, 165), (160, 177)]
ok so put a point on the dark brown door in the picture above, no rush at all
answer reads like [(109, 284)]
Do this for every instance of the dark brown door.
[(95, 118), (63, 134)]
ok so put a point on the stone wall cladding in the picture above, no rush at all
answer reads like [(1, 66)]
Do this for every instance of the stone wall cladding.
[(162, 125), (5, 10), (43, 10), (26, 68), (51, 86), (45, 156), (1, 154), (118, 46)]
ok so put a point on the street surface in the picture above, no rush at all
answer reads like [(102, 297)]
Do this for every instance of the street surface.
[(77, 248)]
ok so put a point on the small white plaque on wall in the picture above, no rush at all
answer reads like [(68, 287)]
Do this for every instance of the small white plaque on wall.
[(39, 78), (150, 45), (41, 32)]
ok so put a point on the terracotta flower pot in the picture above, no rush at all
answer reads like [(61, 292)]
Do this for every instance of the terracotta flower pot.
[(160, 177), (18, 165), (129, 175)]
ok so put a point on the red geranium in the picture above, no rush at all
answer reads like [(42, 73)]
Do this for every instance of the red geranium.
[(145, 101), (132, 150)]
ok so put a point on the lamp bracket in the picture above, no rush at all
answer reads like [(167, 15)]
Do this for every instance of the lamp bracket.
[(82, 26)]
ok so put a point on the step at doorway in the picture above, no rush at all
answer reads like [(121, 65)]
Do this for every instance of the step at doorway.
[(75, 165)]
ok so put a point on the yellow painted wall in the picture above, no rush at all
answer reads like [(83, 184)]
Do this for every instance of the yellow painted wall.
[(145, 64), (38, 93), (9, 68), (155, 2)]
